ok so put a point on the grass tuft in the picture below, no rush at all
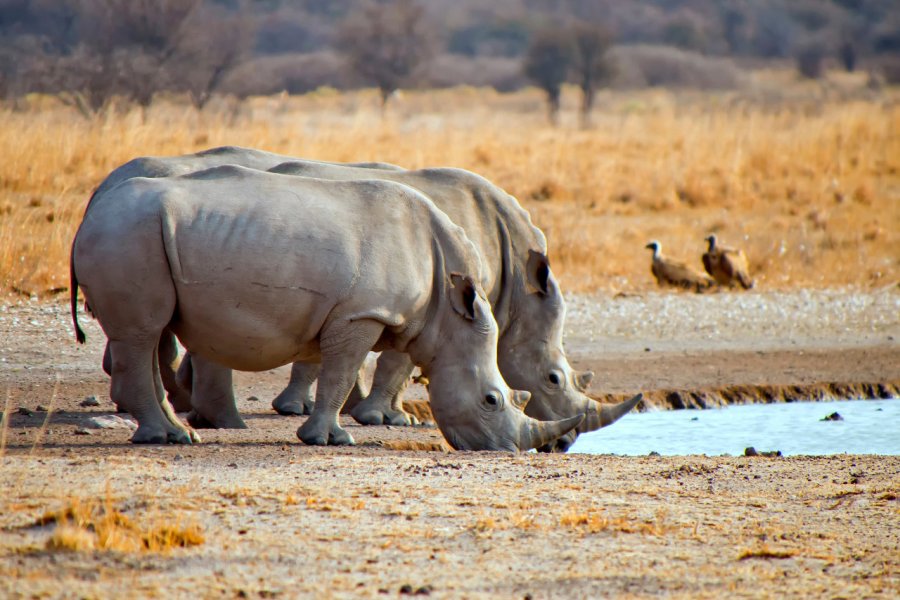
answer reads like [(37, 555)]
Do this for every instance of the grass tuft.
[(86, 526)]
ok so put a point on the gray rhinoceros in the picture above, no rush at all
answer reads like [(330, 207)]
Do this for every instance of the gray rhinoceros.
[(524, 294), (253, 270), (169, 166)]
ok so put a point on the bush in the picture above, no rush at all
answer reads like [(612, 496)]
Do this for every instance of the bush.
[(664, 66), (449, 70), (809, 58)]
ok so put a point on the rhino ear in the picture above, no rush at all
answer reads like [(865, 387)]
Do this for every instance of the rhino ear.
[(463, 295), (538, 271)]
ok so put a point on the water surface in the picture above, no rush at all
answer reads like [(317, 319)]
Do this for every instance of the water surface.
[(868, 427)]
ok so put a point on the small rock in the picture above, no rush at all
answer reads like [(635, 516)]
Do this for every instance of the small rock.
[(111, 422), (406, 589), (695, 418), (425, 590), (40, 408), (83, 431), (653, 453), (751, 451), (252, 399), (233, 465), (24, 411), (835, 416), (90, 401)]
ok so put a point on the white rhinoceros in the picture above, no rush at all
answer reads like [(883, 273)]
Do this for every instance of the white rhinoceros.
[(168, 166), (253, 270), (525, 297)]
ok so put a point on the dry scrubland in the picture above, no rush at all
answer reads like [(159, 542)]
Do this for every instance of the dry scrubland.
[(806, 177)]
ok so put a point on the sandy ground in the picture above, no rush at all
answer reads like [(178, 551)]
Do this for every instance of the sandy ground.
[(280, 519)]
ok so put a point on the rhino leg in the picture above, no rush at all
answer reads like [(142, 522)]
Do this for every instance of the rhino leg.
[(384, 404), (179, 396), (168, 356), (137, 387), (212, 398), (344, 346), (297, 398)]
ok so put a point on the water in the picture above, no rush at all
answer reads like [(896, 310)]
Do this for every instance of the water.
[(869, 427)]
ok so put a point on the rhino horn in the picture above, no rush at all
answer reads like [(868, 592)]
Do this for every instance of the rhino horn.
[(602, 415), (521, 398), (584, 379), (534, 433)]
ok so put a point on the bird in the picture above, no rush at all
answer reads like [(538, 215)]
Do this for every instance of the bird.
[(728, 266), (676, 273)]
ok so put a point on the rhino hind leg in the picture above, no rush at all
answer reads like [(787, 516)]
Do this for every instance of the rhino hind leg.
[(344, 347), (297, 398), (212, 398), (384, 404), (137, 387), (179, 397)]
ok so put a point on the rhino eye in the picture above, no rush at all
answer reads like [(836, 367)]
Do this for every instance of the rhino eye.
[(492, 401), (554, 378)]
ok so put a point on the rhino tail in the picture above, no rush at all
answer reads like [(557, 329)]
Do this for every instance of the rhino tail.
[(73, 296)]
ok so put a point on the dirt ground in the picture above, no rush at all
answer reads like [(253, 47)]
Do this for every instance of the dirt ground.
[(273, 518)]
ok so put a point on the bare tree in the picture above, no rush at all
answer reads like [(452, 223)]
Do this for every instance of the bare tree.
[(592, 63), (386, 43), (215, 44), (547, 61)]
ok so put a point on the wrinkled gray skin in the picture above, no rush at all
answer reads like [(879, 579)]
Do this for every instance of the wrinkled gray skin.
[(523, 293), (253, 270), (169, 166)]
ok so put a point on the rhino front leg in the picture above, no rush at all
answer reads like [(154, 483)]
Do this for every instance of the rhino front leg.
[(297, 398), (344, 347), (137, 387), (214, 406), (384, 404)]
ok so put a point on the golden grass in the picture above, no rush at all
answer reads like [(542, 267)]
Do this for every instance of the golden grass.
[(88, 525), (810, 187)]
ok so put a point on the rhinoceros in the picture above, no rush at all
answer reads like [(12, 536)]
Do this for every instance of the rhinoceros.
[(526, 299), (168, 166), (253, 270)]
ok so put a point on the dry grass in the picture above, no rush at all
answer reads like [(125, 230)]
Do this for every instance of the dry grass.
[(808, 186), (88, 525)]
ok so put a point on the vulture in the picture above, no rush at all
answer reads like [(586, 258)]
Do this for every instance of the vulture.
[(676, 273), (728, 266)]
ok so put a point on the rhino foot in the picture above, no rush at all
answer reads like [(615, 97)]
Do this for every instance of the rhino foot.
[(198, 421), (312, 435), (151, 435), (288, 406), (365, 415)]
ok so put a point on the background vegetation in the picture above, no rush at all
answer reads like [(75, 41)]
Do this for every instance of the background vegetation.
[(772, 123)]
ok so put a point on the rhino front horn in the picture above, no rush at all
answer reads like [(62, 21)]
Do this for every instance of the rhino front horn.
[(603, 415), (535, 434)]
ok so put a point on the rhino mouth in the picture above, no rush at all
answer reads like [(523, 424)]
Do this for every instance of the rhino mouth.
[(561, 444)]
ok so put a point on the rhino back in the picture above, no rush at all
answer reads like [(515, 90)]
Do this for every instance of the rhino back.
[(275, 257)]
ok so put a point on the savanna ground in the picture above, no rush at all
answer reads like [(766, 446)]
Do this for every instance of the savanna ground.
[(804, 178)]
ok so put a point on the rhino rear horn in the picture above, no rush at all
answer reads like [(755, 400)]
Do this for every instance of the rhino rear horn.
[(535, 434), (583, 380)]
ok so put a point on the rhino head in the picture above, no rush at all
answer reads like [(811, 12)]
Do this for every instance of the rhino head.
[(532, 358), (472, 404)]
